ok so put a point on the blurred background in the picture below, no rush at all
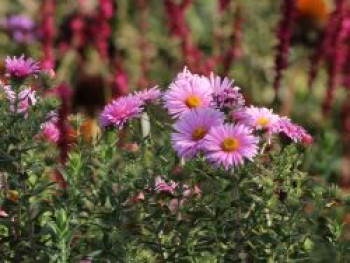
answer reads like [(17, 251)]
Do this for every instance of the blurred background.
[(289, 55)]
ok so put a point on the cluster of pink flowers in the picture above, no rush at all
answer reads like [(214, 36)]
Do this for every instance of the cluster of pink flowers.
[(212, 119), (162, 187), (120, 111), (179, 194), (25, 99), (50, 131)]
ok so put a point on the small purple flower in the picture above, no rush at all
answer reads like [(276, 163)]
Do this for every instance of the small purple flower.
[(162, 187), (225, 96), (191, 129), (148, 95), (20, 22), (293, 131), (20, 67), (228, 145), (187, 92), (119, 111), (21, 28)]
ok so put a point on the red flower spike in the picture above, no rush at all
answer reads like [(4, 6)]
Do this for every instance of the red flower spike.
[(284, 35)]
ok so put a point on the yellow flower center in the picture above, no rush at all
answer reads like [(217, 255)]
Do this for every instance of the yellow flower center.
[(199, 133), (230, 144), (263, 121), (193, 101)]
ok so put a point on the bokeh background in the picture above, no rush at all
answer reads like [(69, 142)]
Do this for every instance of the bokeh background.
[(291, 55)]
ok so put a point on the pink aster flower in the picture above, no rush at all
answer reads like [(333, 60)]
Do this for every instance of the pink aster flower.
[(26, 98), (293, 131), (228, 145), (50, 131), (258, 118), (119, 111), (149, 95), (225, 96), (162, 187), (191, 129), (187, 92), (21, 67)]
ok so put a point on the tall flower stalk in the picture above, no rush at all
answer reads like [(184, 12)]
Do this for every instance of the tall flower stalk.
[(333, 49), (48, 33), (102, 26), (284, 35), (143, 44), (235, 41), (192, 55), (64, 94)]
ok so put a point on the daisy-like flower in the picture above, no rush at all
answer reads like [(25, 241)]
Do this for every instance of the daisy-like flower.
[(228, 145), (119, 111), (191, 129), (50, 131), (149, 95), (20, 67), (258, 118), (293, 131), (162, 187), (188, 92), (225, 96), (26, 98)]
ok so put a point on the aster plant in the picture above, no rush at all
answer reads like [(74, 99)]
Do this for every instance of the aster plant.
[(212, 180)]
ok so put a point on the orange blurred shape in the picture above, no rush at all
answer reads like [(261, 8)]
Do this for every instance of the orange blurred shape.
[(313, 9), (72, 136), (89, 129)]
